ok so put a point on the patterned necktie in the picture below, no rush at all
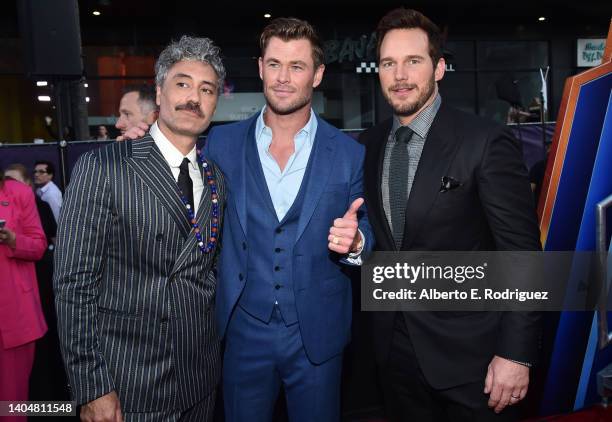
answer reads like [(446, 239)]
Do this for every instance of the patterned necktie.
[(398, 182), (184, 182)]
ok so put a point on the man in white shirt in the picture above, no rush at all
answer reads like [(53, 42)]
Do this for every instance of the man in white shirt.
[(134, 280), (45, 188)]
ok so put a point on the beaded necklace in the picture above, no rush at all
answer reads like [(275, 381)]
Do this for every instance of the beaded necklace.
[(209, 245)]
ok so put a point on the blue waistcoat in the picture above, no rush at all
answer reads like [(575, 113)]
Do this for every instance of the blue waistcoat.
[(269, 265)]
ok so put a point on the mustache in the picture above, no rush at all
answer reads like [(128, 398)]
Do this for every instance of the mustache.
[(402, 86), (283, 88), (190, 106)]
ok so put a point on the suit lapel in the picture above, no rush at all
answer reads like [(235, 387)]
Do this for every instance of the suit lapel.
[(203, 217), (321, 166), (438, 152), (378, 155), (239, 194), (149, 164), (255, 170)]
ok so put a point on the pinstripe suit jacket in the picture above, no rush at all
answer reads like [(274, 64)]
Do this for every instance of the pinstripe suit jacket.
[(134, 294)]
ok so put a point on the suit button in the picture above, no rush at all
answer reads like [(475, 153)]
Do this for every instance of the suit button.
[(163, 319), (240, 277), (278, 286), (159, 237), (243, 246), (279, 230), (277, 250), (277, 268)]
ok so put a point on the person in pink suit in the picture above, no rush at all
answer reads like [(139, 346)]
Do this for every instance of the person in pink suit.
[(22, 242)]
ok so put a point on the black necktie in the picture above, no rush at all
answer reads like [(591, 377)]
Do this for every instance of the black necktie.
[(184, 182), (398, 182)]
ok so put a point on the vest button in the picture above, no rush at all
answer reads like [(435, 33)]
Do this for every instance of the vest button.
[(279, 230), (277, 250), (277, 268), (240, 277), (277, 286), (243, 246)]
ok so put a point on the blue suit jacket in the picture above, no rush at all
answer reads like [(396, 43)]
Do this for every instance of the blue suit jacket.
[(322, 289)]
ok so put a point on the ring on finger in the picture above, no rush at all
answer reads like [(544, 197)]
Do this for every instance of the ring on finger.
[(335, 240)]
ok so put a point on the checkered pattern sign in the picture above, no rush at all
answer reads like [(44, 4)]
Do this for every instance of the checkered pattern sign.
[(364, 67)]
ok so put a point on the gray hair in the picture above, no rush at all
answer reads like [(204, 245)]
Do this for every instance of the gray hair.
[(190, 48)]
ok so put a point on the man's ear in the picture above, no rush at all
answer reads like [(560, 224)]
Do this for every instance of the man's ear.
[(318, 76), (440, 69), (157, 95)]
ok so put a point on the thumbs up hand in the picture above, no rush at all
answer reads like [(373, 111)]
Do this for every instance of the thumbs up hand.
[(343, 236)]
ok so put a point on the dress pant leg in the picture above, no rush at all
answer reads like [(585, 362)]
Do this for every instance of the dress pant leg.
[(468, 403), (15, 368), (312, 390), (250, 378), (407, 395)]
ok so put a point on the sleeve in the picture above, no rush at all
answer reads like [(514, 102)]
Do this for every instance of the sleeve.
[(207, 150), (30, 241), (362, 216), (81, 249), (55, 202), (46, 218), (505, 194)]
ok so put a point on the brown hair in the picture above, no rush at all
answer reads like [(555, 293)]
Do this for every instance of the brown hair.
[(289, 29), (402, 18), (21, 169)]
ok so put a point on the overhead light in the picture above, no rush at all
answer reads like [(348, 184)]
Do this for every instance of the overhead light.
[(87, 99), (44, 98), (96, 13), (267, 16), (86, 85), (541, 18), (41, 83)]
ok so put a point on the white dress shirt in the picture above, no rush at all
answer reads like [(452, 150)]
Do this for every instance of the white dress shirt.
[(52, 195), (174, 158)]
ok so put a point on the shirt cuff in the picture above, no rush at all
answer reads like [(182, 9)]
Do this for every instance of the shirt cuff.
[(527, 364), (355, 257)]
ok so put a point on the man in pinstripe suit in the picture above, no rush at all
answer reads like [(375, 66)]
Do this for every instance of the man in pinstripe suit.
[(134, 281)]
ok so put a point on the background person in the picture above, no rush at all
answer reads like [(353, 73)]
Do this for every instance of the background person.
[(48, 379), (22, 242), (46, 189), (137, 105)]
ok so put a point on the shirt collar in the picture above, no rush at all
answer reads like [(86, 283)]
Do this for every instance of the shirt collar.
[(45, 188), (422, 122), (262, 129), (172, 155)]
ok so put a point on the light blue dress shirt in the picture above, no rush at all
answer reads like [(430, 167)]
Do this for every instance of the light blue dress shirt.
[(284, 185)]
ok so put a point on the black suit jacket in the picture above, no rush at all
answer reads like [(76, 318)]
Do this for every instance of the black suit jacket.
[(491, 210)]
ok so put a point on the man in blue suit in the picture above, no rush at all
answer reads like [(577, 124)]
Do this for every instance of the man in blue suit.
[(294, 219)]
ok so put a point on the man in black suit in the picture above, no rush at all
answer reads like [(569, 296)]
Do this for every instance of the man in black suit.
[(134, 278), (445, 365)]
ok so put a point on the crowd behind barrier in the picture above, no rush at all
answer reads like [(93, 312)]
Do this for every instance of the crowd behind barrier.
[(530, 134)]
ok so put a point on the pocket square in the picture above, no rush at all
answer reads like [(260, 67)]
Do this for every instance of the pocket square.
[(449, 183)]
